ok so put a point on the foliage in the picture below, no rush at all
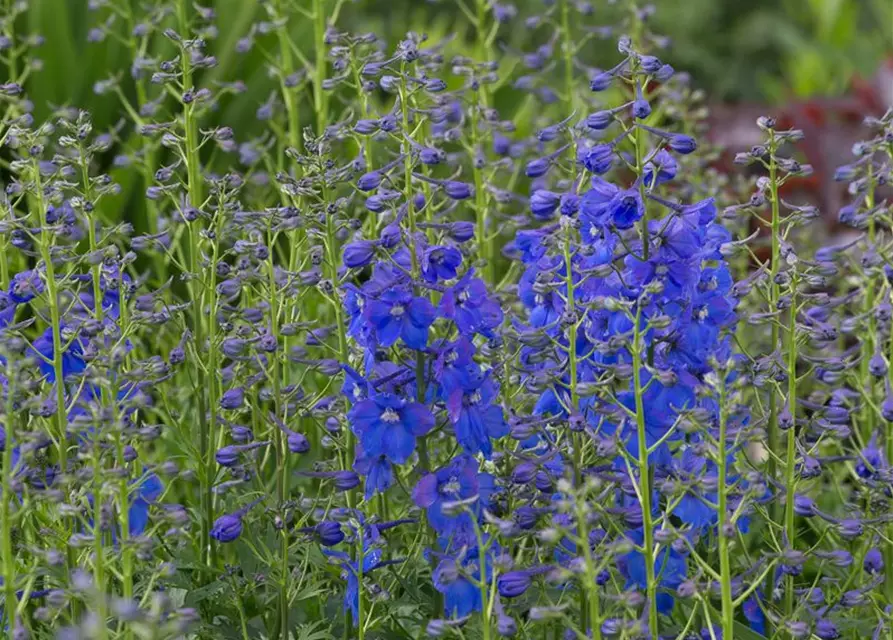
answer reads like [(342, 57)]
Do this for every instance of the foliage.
[(309, 333)]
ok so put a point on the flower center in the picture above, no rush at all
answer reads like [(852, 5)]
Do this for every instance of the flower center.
[(398, 310), (660, 270), (451, 487), (390, 416)]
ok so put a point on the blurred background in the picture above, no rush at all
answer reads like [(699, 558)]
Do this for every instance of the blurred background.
[(820, 65), (738, 51)]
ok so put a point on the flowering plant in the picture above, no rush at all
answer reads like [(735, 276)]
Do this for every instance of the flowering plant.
[(486, 346)]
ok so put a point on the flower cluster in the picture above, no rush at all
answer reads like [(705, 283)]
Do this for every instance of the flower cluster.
[(486, 346)]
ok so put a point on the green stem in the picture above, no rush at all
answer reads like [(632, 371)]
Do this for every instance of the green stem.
[(287, 69), (281, 440), (9, 560), (725, 570), (644, 478), (481, 195), (206, 410), (791, 452), (320, 98), (774, 294), (590, 588)]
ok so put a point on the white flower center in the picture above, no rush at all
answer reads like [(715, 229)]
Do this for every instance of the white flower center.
[(451, 486), (390, 416), (397, 310)]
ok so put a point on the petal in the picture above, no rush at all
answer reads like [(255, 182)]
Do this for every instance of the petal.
[(388, 331), (398, 444), (424, 494), (415, 336), (418, 418), (138, 517), (363, 414), (421, 312)]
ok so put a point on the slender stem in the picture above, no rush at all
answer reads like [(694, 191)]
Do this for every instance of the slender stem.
[(98, 551), (791, 452), (206, 410), (9, 560), (320, 98), (725, 567), (590, 588), (774, 294), (567, 50), (45, 241), (644, 478), (572, 353), (287, 69), (281, 449), (481, 195)]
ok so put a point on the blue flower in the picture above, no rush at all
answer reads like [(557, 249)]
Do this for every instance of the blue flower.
[(475, 419), (626, 208), (359, 254), (459, 480), (456, 579), (469, 306), (7, 312), (25, 286), (440, 263), (397, 314), (670, 567), (377, 470), (388, 425), (149, 489), (543, 203), (73, 361), (228, 527), (665, 166)]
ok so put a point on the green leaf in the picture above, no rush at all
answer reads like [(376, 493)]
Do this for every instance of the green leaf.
[(203, 593), (743, 632)]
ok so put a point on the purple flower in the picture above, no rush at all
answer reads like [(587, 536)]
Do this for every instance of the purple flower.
[(514, 583), (599, 158), (369, 181), (682, 144), (233, 398)]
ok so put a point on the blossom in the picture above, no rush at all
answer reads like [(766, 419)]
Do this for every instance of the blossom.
[(228, 527), (388, 425), (456, 577), (440, 263), (468, 304), (670, 567), (476, 419), (398, 314), (457, 481)]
